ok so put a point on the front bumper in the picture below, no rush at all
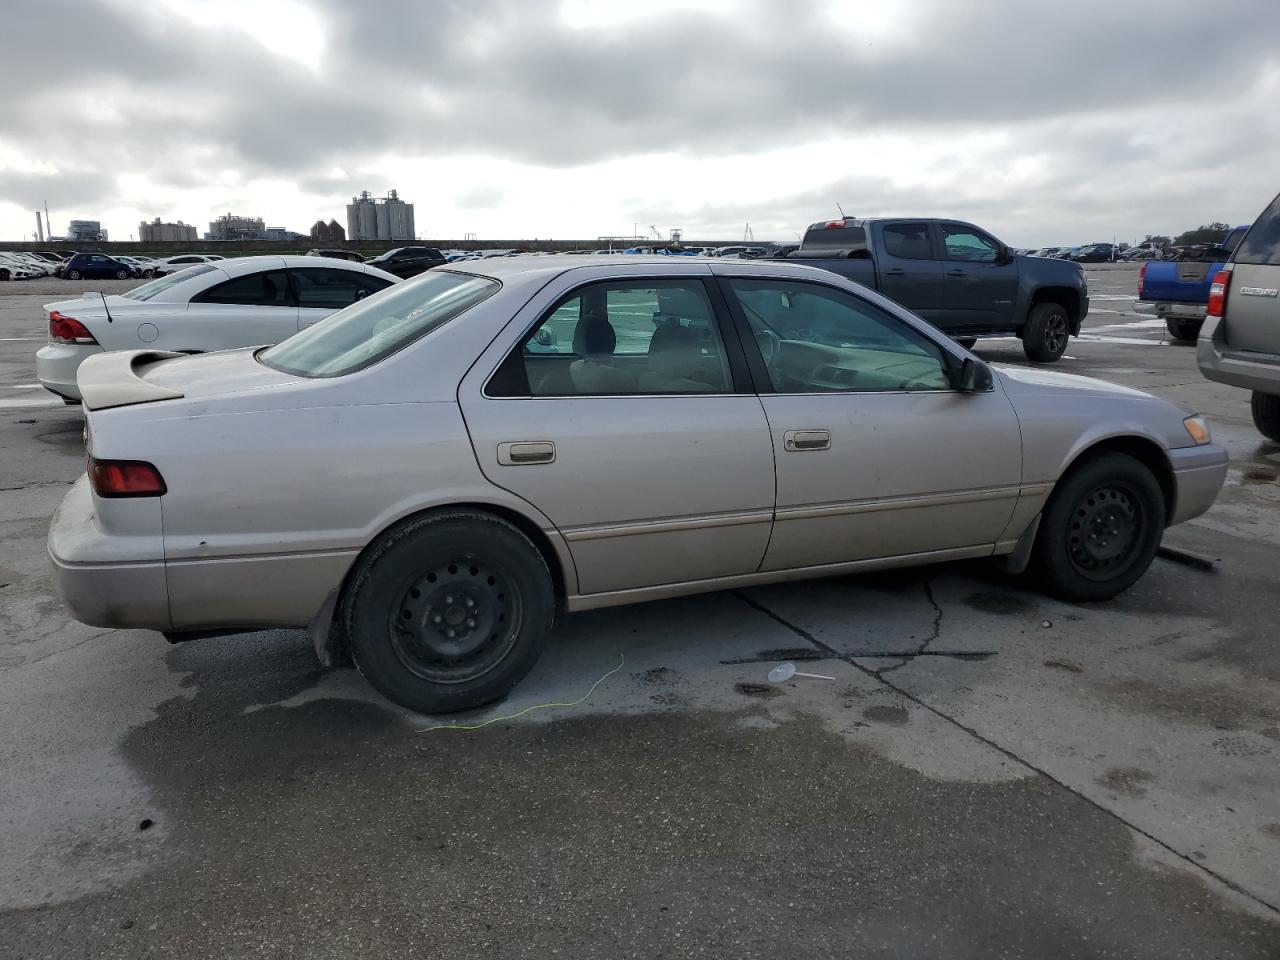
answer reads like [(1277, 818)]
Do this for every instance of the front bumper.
[(1236, 368), (57, 364), (1198, 475), (1167, 309), (100, 583)]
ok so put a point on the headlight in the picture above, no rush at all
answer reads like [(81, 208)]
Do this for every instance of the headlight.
[(1197, 428)]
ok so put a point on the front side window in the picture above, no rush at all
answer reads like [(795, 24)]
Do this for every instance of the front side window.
[(266, 289), (965, 243), (374, 328), (319, 287), (817, 339), (908, 241), (635, 337)]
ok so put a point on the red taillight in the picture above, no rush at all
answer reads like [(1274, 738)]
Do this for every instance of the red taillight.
[(1218, 293), (125, 478), (66, 329), (833, 225), (1142, 279)]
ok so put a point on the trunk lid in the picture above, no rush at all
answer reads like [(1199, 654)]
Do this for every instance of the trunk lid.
[(1252, 320), (126, 377)]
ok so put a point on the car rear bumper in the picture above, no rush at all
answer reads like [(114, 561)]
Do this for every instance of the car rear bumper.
[(1237, 368), (1198, 475), (96, 586), (57, 363), (1170, 308)]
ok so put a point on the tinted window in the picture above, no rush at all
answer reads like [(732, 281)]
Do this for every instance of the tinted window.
[(267, 289), (333, 289), (1262, 243), (965, 243), (908, 241), (843, 237), (638, 337), (377, 327), (160, 284), (816, 339)]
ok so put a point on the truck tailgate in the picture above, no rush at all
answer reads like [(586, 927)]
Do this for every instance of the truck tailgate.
[(1185, 281)]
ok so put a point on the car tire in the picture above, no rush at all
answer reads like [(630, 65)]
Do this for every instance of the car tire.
[(122, 274), (462, 571), (967, 342), (1048, 327), (4, 275), (73, 274), (1101, 529), (1183, 328), (1266, 414), (148, 274)]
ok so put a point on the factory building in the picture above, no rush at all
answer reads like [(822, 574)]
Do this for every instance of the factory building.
[(231, 227), (322, 232), (379, 218), (157, 232), (86, 230)]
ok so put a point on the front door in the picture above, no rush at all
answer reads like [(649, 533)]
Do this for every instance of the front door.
[(981, 286), (623, 413), (877, 455)]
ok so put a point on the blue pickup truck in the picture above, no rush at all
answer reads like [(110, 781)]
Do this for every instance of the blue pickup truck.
[(1177, 291)]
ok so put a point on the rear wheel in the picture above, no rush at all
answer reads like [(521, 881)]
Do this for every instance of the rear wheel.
[(1100, 530), (1044, 338), (1266, 414), (450, 611), (122, 274), (1183, 328), (73, 274)]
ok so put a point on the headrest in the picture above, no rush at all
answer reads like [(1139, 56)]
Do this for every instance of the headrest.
[(674, 351), (594, 335)]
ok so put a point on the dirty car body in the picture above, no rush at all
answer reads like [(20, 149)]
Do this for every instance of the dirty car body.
[(428, 475)]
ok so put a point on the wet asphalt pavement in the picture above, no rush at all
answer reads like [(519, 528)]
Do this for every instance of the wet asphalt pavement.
[(1094, 780)]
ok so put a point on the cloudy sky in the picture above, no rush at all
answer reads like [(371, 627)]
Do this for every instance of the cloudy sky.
[(1046, 122)]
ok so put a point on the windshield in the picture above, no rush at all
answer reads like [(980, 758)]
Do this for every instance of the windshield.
[(160, 284), (378, 326)]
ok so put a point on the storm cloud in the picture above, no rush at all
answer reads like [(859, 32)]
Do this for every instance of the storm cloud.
[(1049, 123)]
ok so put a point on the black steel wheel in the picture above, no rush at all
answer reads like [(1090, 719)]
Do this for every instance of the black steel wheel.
[(449, 611), (1101, 528), (1183, 328), (1045, 336)]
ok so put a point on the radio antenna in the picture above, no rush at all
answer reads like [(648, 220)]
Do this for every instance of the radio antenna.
[(841, 209), (105, 307)]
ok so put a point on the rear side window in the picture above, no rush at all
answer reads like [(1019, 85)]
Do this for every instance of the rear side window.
[(1261, 245), (267, 289), (161, 284), (333, 289), (908, 241)]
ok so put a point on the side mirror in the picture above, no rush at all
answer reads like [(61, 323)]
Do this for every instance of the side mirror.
[(974, 377), (1004, 255)]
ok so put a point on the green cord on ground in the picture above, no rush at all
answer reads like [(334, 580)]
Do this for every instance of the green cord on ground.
[(536, 706)]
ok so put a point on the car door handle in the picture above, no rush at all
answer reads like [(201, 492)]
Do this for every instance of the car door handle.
[(518, 453), (955, 273), (801, 440), (895, 272)]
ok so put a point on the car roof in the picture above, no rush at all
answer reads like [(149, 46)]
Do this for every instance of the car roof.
[(524, 268)]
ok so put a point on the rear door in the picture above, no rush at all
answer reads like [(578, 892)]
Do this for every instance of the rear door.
[(320, 291), (1252, 320), (980, 288), (246, 311), (621, 410), (910, 267)]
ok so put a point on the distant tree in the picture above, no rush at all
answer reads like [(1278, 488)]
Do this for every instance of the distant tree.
[(1206, 233)]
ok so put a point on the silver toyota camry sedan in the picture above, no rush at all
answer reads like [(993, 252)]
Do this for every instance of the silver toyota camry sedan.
[(423, 479)]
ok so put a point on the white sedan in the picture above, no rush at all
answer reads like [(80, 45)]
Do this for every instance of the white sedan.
[(249, 301), (13, 267)]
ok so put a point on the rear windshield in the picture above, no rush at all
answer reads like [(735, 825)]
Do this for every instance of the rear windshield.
[(841, 237), (161, 284), (1262, 243), (378, 326)]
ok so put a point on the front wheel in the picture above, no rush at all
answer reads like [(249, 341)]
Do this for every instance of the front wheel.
[(1044, 338), (148, 274), (4, 275), (1101, 529), (1266, 414), (73, 274), (450, 611), (122, 274), (1182, 328)]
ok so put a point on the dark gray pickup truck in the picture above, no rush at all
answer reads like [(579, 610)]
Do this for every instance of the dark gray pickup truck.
[(960, 278)]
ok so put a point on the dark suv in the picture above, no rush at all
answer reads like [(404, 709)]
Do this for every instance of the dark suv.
[(408, 261), (1240, 340), (96, 266)]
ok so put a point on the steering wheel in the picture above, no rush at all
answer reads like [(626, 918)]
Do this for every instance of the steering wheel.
[(770, 345)]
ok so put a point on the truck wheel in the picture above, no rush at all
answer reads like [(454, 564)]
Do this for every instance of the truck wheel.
[(1266, 415), (1183, 328), (1044, 338), (450, 611), (1101, 529)]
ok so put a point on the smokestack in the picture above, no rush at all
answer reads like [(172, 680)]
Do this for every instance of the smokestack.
[(39, 228)]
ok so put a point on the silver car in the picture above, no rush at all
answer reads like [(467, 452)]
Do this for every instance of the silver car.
[(425, 477)]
